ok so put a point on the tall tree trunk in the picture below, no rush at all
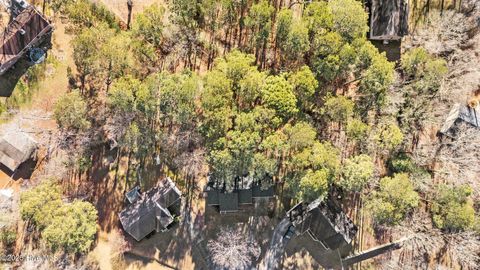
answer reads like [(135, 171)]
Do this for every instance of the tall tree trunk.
[(130, 7), (264, 54), (226, 41), (240, 25), (127, 176)]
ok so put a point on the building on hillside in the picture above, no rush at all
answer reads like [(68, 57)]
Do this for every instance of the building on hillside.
[(325, 231), (15, 149), (388, 19), (22, 36), (245, 192), (460, 114), (152, 211)]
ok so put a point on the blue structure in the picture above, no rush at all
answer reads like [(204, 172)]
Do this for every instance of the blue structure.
[(37, 55)]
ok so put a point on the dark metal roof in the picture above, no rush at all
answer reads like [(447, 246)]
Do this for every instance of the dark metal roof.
[(245, 196), (337, 219), (389, 19), (228, 202), (325, 223), (212, 197), (258, 192), (21, 32)]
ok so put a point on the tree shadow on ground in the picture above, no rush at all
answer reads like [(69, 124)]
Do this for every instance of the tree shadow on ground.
[(10, 78), (105, 194)]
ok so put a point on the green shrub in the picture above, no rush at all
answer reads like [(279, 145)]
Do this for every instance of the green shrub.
[(357, 130), (453, 208), (395, 198), (401, 164), (8, 236), (356, 172)]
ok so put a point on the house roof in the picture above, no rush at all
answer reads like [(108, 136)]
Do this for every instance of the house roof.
[(258, 192), (228, 202), (21, 32), (463, 113), (16, 148), (331, 224), (324, 222), (389, 19), (150, 212)]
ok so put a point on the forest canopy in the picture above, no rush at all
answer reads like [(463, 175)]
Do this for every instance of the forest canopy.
[(292, 97)]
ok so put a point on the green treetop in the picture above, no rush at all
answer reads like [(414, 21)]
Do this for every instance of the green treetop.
[(338, 108), (394, 199), (73, 228), (453, 208), (148, 25), (313, 184), (278, 95), (40, 203), (70, 112), (357, 172), (388, 136)]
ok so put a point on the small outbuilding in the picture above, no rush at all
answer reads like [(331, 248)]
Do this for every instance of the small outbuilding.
[(460, 114), (388, 19), (15, 149), (152, 211)]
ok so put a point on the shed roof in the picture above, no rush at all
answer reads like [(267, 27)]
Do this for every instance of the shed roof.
[(21, 32), (389, 19), (258, 192), (463, 113), (151, 211), (16, 148)]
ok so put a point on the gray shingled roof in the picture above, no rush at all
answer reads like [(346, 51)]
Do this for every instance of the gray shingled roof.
[(16, 148), (460, 113), (325, 223), (338, 228), (150, 213)]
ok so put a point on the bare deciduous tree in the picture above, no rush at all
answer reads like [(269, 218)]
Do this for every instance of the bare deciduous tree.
[(233, 250), (459, 158), (427, 243)]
